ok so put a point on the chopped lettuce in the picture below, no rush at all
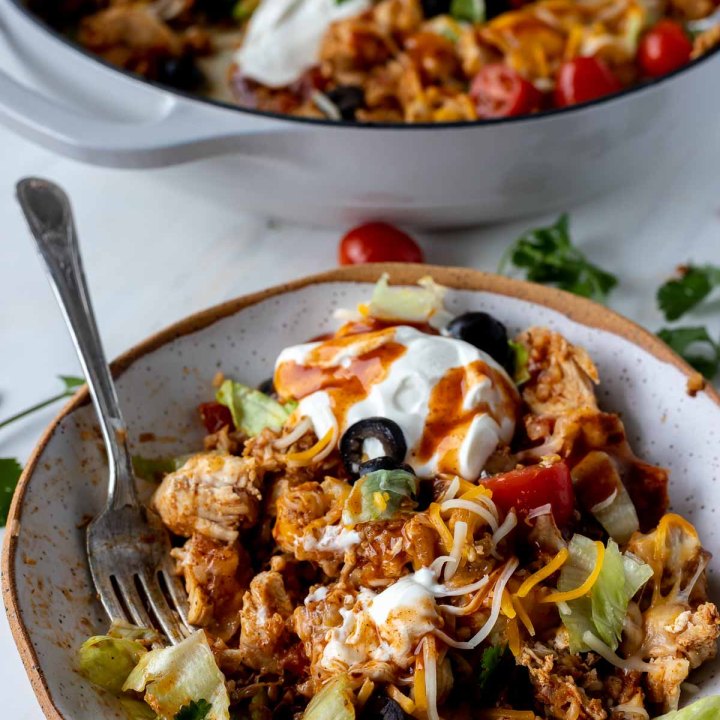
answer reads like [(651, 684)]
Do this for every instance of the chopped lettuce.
[(422, 304), (145, 636), (108, 661), (252, 411), (521, 374), (173, 677), (472, 11), (378, 496), (602, 611), (333, 702), (707, 708), (136, 709), (154, 469)]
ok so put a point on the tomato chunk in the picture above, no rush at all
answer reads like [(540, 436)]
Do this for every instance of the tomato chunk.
[(378, 242), (583, 79), (215, 416), (499, 91), (532, 487), (664, 48)]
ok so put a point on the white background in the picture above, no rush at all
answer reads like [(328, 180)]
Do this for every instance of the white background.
[(154, 254)]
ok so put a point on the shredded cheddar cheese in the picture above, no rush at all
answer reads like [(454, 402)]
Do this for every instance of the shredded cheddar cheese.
[(446, 537), (506, 605), (475, 492), (502, 713), (523, 615), (666, 523), (366, 690), (305, 457), (543, 573), (419, 686), (586, 587), (513, 637), (402, 700)]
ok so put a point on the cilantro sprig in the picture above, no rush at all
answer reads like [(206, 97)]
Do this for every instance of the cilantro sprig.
[(10, 471), (681, 294), (70, 385), (694, 345), (194, 710), (548, 256)]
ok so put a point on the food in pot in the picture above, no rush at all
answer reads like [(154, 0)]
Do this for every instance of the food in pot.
[(413, 61), (423, 519)]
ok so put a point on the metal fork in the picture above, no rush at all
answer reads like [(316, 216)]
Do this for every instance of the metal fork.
[(127, 545)]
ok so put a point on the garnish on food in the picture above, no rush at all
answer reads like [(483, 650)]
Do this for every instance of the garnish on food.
[(682, 294), (424, 524), (547, 255)]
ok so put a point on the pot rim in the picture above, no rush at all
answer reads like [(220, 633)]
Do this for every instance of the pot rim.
[(578, 309), (345, 124)]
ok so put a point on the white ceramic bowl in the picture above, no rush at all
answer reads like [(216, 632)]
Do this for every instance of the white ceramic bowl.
[(48, 593), (338, 173)]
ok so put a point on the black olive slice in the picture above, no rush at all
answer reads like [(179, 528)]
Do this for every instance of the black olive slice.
[(386, 431), (381, 707), (485, 333), (267, 387), (384, 462)]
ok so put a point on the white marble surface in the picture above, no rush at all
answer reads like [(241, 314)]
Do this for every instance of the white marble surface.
[(154, 254)]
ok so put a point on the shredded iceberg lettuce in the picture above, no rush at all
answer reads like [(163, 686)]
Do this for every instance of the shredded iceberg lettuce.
[(707, 708), (173, 677), (422, 304), (333, 702), (251, 410), (107, 661), (602, 611), (378, 496)]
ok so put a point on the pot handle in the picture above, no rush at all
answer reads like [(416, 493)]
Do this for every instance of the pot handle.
[(179, 129)]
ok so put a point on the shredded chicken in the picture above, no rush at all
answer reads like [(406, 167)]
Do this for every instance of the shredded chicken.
[(562, 376), (211, 494), (264, 635), (216, 575)]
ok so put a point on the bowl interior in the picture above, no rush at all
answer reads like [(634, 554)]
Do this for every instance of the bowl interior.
[(53, 606)]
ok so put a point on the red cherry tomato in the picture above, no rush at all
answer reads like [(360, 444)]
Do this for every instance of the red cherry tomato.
[(532, 487), (584, 79), (378, 242), (664, 48), (499, 91), (215, 416)]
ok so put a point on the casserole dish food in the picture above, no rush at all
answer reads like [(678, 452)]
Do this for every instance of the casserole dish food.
[(393, 60), (331, 172), (49, 633)]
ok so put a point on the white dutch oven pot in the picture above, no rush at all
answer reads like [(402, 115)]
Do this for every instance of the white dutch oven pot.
[(335, 173)]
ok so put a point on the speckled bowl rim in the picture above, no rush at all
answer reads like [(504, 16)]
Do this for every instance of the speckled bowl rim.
[(577, 309)]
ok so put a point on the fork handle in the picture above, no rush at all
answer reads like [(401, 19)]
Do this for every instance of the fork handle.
[(49, 215)]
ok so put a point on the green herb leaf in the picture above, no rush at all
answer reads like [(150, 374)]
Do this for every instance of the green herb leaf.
[(679, 295), (10, 471), (548, 256), (489, 664), (194, 710), (378, 496), (695, 346), (70, 383), (469, 10)]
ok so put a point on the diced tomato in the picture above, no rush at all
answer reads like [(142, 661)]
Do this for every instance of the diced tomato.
[(215, 416), (378, 242), (499, 91), (664, 48), (583, 79), (533, 487)]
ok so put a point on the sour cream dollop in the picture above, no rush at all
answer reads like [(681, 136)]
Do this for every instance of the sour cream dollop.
[(284, 36), (453, 402)]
